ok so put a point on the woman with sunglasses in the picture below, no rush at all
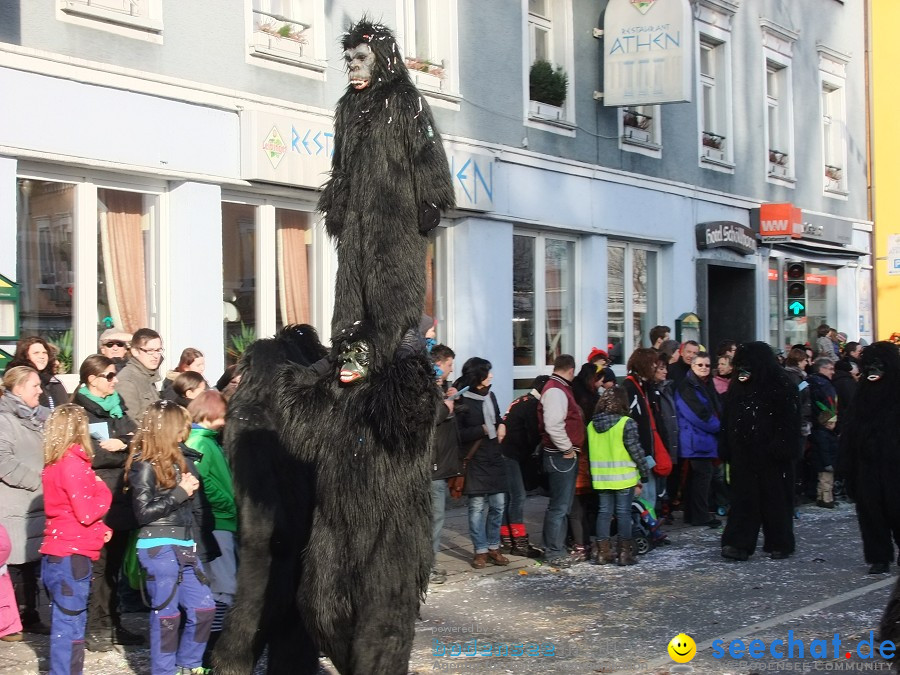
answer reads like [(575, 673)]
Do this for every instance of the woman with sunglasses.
[(699, 412), (111, 431)]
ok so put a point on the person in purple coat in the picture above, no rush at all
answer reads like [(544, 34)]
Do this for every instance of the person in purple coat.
[(697, 407)]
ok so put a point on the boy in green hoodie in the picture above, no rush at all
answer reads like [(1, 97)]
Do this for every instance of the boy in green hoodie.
[(208, 415)]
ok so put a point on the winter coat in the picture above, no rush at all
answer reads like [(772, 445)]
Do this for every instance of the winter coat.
[(824, 440), (845, 386), (698, 418), (445, 449), (826, 347), (170, 512), (21, 463), (523, 437), (663, 400), (53, 393), (110, 466), (485, 472), (137, 387), (9, 608), (640, 412), (798, 378), (216, 474), (75, 503)]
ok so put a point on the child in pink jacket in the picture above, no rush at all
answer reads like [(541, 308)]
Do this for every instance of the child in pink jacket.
[(10, 624), (75, 501)]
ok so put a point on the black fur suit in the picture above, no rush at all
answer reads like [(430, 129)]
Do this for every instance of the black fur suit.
[(761, 432), (869, 458), (355, 558)]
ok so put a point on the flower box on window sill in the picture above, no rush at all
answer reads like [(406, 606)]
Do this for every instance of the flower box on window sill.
[(275, 46), (779, 170), (638, 136), (833, 173), (428, 80), (113, 14), (636, 120), (778, 158), (545, 111)]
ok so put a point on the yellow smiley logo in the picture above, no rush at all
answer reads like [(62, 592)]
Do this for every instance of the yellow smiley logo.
[(682, 648)]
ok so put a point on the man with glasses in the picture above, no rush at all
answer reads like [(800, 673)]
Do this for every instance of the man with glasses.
[(114, 345), (137, 380)]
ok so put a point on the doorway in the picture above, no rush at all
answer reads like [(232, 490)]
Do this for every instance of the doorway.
[(727, 302)]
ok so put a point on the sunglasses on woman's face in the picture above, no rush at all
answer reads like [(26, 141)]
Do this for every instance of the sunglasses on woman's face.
[(114, 343), (108, 376)]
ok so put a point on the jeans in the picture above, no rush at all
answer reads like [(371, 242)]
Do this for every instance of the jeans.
[(485, 517), (618, 501), (67, 580), (439, 490), (561, 474), (163, 564), (649, 490), (515, 499)]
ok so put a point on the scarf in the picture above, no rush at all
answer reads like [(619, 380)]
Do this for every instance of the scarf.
[(487, 409), (111, 404), (33, 418)]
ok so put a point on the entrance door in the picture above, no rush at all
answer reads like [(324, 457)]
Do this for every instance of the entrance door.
[(730, 304)]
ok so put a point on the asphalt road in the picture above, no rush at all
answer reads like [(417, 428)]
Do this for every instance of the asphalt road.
[(527, 618)]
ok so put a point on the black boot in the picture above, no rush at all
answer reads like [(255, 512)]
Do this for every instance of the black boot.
[(508, 545), (526, 549)]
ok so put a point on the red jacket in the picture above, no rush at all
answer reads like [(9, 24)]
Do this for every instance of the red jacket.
[(75, 501)]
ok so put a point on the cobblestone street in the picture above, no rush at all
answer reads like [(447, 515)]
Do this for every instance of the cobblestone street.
[(591, 619)]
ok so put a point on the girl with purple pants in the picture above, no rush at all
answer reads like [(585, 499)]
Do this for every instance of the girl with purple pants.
[(163, 485)]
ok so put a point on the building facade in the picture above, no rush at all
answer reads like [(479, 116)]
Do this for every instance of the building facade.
[(160, 161)]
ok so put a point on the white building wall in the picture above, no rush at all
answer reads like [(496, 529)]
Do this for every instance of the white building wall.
[(191, 260)]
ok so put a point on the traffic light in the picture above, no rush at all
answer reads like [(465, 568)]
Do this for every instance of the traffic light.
[(796, 289)]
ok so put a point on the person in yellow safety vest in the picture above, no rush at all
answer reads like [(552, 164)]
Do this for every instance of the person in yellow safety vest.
[(618, 467)]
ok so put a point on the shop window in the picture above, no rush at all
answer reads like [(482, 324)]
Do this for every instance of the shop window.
[(550, 64), (140, 17), (288, 32), (821, 305), (543, 300), (123, 260), (239, 276), (45, 259), (632, 298), (429, 44), (293, 252)]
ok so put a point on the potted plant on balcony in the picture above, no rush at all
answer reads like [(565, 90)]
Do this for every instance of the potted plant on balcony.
[(547, 89), (632, 118), (777, 157), (834, 173), (714, 141), (285, 39)]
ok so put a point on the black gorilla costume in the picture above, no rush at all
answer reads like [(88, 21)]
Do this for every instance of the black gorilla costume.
[(869, 457), (333, 481), (761, 431)]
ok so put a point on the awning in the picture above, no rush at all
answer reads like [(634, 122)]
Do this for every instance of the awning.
[(805, 247)]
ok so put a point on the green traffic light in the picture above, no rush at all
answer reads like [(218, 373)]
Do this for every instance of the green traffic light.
[(797, 308)]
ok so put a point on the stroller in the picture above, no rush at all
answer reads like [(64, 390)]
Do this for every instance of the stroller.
[(645, 527)]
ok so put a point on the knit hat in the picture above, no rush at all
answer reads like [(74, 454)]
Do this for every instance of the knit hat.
[(597, 353), (426, 323)]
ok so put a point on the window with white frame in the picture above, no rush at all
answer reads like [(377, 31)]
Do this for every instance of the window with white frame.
[(287, 31), (142, 15), (832, 72), (429, 43), (543, 301), (641, 129), (632, 297), (550, 61), (778, 45), (714, 121)]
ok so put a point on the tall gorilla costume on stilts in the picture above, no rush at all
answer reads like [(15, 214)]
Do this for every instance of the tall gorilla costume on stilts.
[(331, 457), (761, 433), (869, 457)]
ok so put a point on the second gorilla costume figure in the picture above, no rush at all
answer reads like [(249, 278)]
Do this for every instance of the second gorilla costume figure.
[(331, 457)]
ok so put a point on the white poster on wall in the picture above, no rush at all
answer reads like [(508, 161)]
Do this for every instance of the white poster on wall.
[(893, 256), (648, 52)]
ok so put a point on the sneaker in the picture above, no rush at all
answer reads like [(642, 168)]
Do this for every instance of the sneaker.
[(436, 577), (37, 628), (199, 670), (562, 562), (12, 637), (721, 511), (123, 636), (94, 642)]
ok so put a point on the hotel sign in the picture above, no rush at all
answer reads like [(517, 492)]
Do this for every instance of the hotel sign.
[(648, 52), (726, 234)]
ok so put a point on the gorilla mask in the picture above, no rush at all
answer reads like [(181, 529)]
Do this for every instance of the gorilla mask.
[(372, 55), (360, 61)]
